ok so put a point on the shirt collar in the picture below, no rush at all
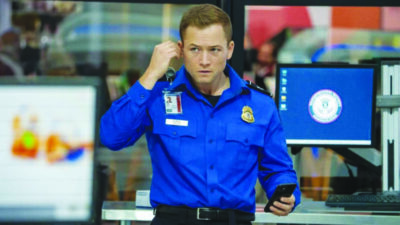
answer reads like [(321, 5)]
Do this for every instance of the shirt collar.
[(181, 82)]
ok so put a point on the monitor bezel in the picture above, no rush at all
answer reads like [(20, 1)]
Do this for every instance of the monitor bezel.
[(376, 72), (62, 81)]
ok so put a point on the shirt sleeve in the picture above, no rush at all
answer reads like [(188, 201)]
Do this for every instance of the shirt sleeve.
[(276, 166), (126, 120)]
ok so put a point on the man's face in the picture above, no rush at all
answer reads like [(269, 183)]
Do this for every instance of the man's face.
[(205, 52), (265, 54)]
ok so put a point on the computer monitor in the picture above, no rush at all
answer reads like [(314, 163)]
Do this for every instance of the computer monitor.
[(47, 149), (327, 104)]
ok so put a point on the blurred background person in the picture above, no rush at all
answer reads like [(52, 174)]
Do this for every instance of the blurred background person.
[(267, 58), (10, 53), (266, 61)]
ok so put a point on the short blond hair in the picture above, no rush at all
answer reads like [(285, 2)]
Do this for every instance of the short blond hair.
[(204, 15)]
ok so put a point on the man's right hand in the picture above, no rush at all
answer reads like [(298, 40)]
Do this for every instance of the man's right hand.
[(160, 60)]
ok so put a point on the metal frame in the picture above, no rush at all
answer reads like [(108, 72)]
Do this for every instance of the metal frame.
[(390, 110)]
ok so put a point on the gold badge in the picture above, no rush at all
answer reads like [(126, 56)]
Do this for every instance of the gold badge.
[(247, 114)]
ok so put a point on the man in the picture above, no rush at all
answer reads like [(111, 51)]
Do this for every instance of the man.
[(266, 61), (10, 53), (209, 143)]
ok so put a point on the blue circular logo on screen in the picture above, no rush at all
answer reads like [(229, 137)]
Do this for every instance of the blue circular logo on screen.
[(325, 106)]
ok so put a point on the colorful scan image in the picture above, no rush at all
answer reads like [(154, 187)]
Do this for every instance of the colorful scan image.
[(49, 124), (26, 142), (55, 146), (57, 149)]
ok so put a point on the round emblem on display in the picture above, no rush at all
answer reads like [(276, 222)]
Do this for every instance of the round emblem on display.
[(325, 106)]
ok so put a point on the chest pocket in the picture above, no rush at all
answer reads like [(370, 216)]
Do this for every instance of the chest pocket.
[(242, 143), (246, 134), (177, 140)]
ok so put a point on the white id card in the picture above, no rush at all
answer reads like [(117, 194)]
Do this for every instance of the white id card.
[(173, 102)]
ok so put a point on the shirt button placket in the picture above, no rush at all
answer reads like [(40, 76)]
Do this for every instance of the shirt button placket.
[(211, 151)]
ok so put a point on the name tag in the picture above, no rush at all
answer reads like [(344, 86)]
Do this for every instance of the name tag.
[(183, 123), (173, 102)]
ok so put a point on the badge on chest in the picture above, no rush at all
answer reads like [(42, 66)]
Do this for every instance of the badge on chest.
[(247, 114), (173, 102)]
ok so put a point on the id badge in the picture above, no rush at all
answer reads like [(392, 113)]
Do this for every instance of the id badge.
[(173, 102)]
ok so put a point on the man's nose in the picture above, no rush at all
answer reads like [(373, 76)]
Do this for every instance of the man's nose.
[(205, 59)]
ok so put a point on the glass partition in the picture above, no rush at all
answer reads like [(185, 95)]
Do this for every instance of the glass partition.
[(317, 32), (107, 39), (306, 34)]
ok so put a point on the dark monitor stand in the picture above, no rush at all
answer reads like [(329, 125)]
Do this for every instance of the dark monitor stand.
[(369, 167)]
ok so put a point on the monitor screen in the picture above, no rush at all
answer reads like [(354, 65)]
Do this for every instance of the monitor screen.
[(47, 142), (327, 104)]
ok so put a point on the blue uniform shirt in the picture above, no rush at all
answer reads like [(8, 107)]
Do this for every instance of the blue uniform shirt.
[(206, 156)]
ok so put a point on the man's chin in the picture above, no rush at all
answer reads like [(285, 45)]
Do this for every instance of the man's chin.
[(203, 82)]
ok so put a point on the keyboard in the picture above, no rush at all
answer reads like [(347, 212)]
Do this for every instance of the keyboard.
[(384, 201)]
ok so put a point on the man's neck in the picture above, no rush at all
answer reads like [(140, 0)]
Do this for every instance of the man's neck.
[(216, 88)]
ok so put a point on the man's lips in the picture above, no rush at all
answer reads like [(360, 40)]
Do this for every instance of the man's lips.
[(204, 71)]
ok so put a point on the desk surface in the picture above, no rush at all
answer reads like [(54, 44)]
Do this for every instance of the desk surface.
[(309, 212)]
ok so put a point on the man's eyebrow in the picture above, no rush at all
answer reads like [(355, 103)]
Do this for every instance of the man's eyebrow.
[(212, 46)]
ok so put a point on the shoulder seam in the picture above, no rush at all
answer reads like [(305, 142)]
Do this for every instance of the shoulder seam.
[(257, 88)]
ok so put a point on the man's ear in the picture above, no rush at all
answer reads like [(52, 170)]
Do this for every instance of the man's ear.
[(231, 46), (180, 45)]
